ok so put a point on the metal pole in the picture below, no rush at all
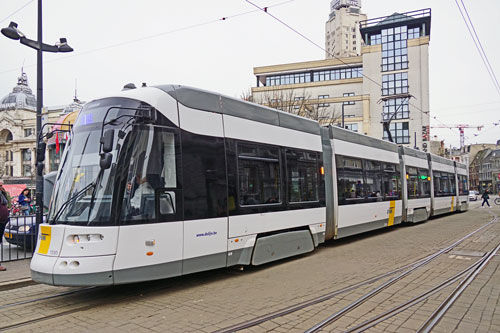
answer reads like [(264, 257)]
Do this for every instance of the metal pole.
[(39, 105), (343, 115)]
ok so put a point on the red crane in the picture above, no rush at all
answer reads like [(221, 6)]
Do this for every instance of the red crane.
[(461, 128)]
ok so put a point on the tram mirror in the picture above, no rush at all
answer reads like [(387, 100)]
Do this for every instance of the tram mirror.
[(40, 153), (148, 114), (107, 141), (105, 161)]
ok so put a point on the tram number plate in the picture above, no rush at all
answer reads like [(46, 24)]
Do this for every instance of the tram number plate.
[(8, 235)]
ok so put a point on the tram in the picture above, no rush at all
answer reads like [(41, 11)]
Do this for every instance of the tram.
[(163, 181)]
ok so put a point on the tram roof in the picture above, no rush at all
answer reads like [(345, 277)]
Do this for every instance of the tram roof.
[(350, 136), (213, 102), (439, 159)]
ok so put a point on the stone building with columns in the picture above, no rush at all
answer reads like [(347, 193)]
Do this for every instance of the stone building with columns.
[(18, 133)]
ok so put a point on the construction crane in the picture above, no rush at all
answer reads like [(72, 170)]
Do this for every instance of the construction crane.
[(461, 128)]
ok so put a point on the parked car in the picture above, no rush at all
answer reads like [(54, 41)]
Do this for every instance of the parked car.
[(21, 230), (472, 196)]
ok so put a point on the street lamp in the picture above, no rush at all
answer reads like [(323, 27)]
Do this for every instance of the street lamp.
[(13, 32)]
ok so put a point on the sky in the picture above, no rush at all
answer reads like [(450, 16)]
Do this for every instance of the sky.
[(187, 42)]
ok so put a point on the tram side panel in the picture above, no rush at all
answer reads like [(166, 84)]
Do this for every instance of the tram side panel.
[(416, 185), (204, 190), (275, 196), (444, 185), (462, 187), (368, 183)]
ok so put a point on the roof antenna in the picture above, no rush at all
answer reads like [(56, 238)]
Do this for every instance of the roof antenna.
[(76, 98)]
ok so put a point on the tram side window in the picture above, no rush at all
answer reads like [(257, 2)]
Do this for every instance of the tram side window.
[(463, 186), (349, 180), (373, 180), (445, 183), (412, 181), (424, 183), (152, 166), (437, 184), (302, 169), (259, 175), (453, 184), (392, 182)]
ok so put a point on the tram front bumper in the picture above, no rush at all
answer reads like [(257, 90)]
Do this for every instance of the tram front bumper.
[(79, 271)]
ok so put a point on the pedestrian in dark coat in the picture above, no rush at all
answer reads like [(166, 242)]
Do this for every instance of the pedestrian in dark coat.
[(485, 198)]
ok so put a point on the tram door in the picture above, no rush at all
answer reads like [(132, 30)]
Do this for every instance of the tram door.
[(151, 234)]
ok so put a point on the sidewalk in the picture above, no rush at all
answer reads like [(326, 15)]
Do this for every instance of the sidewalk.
[(17, 271)]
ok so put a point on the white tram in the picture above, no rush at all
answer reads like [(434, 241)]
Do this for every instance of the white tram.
[(169, 180)]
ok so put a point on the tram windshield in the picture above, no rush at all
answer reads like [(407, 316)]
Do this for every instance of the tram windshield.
[(83, 191)]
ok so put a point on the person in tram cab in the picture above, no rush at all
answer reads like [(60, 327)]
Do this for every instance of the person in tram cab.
[(143, 189)]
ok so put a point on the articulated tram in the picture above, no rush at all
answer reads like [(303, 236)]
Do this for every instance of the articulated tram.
[(169, 180)]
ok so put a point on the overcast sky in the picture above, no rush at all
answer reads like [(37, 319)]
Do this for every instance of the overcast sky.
[(185, 42)]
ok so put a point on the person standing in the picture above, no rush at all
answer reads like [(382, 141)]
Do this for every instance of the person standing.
[(4, 218), (24, 201), (485, 198)]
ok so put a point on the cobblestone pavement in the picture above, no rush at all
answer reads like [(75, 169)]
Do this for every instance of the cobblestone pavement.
[(214, 300)]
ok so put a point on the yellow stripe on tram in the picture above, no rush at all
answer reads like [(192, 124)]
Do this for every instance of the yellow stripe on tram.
[(452, 204), (45, 232), (392, 211)]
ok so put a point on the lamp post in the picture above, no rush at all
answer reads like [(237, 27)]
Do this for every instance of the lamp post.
[(62, 46)]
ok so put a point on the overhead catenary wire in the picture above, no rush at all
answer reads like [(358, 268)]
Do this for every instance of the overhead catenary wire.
[(16, 11), (193, 26), (477, 43), (265, 10)]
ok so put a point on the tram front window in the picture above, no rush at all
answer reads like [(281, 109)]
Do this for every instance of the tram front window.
[(83, 191)]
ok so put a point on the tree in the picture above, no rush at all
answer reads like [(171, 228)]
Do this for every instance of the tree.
[(301, 104)]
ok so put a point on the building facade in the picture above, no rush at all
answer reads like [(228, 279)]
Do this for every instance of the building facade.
[(388, 83), (342, 36), (18, 134)]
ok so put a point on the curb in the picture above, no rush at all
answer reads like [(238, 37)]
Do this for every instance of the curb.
[(14, 284)]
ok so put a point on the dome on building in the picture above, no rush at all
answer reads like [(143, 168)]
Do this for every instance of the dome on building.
[(21, 96), (75, 106)]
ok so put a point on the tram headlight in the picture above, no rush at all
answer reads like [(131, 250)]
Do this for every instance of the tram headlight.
[(76, 239)]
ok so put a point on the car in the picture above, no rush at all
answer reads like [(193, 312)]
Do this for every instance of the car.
[(21, 230), (472, 196)]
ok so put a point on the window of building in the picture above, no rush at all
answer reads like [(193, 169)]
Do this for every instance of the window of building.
[(393, 84), (296, 78), (28, 132), (349, 102), (354, 36), (259, 175), (26, 170), (323, 97), (354, 48), (393, 104), (399, 132), (394, 49), (375, 39), (352, 127), (26, 155), (414, 33), (7, 155), (302, 173), (338, 74), (298, 102)]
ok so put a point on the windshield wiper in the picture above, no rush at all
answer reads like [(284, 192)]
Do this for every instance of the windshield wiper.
[(73, 198)]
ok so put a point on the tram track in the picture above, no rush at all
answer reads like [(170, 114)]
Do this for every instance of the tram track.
[(402, 272), (103, 299)]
